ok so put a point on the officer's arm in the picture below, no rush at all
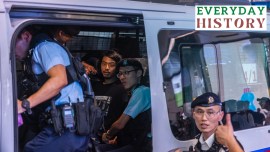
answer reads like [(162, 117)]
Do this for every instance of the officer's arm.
[(118, 125), (57, 80)]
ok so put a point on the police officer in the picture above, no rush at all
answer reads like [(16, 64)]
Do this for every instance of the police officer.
[(49, 61), (208, 114)]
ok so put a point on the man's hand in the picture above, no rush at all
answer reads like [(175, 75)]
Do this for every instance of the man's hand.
[(104, 138), (89, 69), (224, 135), (113, 141), (109, 141), (19, 106)]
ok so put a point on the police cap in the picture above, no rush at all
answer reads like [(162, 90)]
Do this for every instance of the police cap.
[(206, 100)]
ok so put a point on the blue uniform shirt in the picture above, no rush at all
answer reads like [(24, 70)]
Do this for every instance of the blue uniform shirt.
[(139, 102), (45, 56)]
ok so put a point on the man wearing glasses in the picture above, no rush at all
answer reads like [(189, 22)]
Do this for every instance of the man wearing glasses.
[(214, 137), (135, 121)]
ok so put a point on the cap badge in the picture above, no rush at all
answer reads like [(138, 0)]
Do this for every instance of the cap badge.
[(210, 100)]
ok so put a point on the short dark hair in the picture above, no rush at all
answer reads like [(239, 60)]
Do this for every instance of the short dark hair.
[(32, 29), (130, 62), (70, 30), (113, 55)]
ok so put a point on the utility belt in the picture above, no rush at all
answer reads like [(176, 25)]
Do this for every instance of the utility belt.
[(74, 117)]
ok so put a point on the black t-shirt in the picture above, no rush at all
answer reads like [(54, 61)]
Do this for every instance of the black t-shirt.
[(112, 99)]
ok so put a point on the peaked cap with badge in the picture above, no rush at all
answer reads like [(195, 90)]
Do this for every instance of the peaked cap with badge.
[(206, 100)]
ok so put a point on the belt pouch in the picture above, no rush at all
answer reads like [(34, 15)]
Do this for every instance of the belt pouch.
[(56, 120), (96, 119), (82, 118)]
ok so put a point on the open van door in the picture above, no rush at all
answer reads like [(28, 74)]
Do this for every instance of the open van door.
[(154, 23), (184, 63), (7, 140)]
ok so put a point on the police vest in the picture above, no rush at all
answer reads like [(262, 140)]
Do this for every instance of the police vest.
[(75, 71)]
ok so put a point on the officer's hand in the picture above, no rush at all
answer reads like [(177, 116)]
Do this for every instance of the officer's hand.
[(224, 133), (19, 106), (89, 69)]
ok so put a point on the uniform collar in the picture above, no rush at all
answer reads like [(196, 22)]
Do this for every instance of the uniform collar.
[(206, 144)]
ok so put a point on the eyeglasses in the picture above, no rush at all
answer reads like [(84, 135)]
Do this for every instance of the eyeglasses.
[(124, 73), (208, 114)]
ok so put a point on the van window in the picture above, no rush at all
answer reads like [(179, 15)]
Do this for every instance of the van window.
[(232, 65)]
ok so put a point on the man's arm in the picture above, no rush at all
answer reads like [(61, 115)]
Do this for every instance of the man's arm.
[(57, 80), (139, 101), (116, 126)]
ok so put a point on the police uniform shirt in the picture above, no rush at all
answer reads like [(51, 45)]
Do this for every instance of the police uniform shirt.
[(45, 56), (206, 144)]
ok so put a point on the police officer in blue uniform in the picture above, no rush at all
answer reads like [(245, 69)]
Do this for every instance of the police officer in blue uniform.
[(49, 65)]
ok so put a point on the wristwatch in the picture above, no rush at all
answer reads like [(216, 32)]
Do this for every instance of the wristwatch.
[(26, 106)]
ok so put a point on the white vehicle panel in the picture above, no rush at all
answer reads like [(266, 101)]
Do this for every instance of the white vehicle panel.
[(160, 123)]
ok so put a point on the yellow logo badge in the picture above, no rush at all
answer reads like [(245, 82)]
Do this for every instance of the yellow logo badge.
[(210, 100)]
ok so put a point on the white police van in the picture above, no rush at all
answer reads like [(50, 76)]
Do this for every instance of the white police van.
[(181, 63)]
